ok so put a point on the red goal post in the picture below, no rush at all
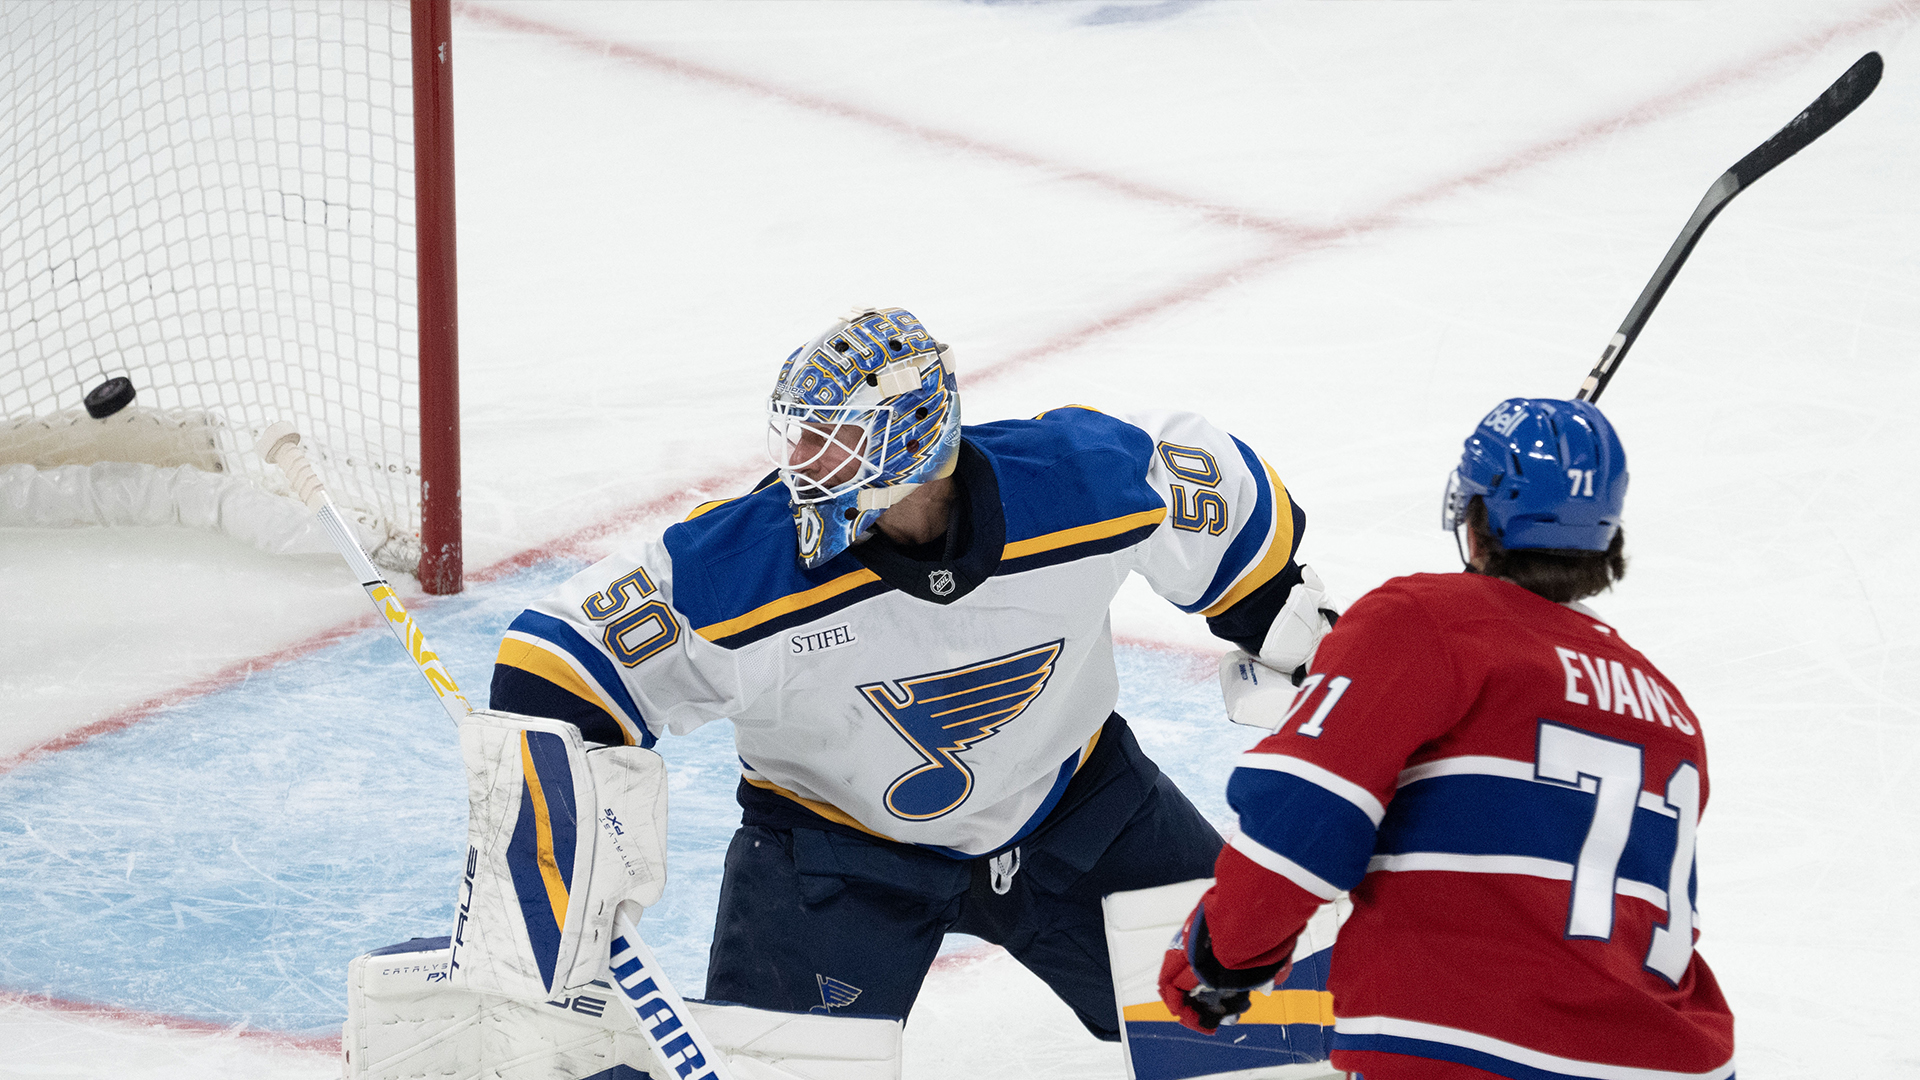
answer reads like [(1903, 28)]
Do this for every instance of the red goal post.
[(247, 210)]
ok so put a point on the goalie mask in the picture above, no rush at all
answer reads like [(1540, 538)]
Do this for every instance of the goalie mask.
[(861, 415), (1553, 475)]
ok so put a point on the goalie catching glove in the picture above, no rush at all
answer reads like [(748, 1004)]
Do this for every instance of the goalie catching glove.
[(557, 836), (1259, 689)]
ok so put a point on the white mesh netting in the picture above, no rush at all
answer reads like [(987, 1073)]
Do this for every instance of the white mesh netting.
[(215, 199)]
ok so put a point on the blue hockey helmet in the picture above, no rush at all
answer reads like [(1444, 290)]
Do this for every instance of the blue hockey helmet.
[(1553, 475), (860, 416)]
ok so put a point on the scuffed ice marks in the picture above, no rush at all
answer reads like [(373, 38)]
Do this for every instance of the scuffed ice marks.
[(225, 859), (1108, 14), (1111, 13)]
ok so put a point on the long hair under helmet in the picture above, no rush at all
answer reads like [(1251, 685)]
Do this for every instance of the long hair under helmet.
[(1553, 475), (860, 416)]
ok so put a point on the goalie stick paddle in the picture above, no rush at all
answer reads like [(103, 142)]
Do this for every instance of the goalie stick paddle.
[(1816, 120), (657, 1008)]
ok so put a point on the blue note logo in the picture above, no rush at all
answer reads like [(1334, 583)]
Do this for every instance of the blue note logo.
[(834, 994), (945, 712)]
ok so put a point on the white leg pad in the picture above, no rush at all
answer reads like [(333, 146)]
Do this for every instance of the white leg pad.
[(406, 1022), (1282, 1037), (764, 1045)]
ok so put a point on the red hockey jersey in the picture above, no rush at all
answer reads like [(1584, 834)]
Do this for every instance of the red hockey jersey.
[(1511, 794)]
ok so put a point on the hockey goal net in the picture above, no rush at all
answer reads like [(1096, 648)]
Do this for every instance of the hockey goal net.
[(217, 202)]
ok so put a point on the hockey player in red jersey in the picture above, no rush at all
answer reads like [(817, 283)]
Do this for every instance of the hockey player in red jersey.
[(1509, 791)]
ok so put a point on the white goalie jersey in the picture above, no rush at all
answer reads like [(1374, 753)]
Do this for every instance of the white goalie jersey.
[(939, 697)]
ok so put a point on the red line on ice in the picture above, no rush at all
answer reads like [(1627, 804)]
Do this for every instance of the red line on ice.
[(580, 542), (960, 959), (655, 60), (1308, 237), (1290, 241), (323, 1043), (1393, 213), (231, 675)]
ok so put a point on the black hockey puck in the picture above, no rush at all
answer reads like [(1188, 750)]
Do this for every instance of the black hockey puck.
[(109, 397)]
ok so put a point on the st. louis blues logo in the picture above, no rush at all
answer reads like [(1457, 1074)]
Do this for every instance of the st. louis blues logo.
[(943, 713), (835, 994)]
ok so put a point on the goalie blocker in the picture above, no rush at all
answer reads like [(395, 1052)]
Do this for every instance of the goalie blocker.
[(557, 837), (560, 836)]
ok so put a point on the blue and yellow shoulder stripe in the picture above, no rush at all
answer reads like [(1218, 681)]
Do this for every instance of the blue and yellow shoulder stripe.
[(1073, 485), (1099, 476), (1264, 545), (738, 577), (546, 668)]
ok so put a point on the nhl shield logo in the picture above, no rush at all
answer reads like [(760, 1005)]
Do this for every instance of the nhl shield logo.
[(941, 582)]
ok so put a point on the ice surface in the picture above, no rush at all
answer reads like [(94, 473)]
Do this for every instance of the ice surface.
[(223, 860), (1342, 231)]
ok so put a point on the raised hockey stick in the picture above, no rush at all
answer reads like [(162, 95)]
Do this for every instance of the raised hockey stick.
[(657, 1008), (1816, 120)]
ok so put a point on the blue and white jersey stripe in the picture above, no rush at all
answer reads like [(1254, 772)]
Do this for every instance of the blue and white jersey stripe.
[(1274, 793), (1469, 814), (1490, 815), (1392, 1035)]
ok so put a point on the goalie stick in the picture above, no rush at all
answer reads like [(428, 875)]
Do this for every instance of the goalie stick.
[(649, 996), (280, 445), (1816, 120)]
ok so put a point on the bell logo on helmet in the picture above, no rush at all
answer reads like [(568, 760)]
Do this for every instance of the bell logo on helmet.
[(1516, 460), (1506, 416)]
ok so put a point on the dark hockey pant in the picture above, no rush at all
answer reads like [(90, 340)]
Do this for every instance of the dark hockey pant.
[(828, 920)]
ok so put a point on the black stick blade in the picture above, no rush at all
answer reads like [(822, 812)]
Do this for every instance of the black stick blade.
[(1831, 107)]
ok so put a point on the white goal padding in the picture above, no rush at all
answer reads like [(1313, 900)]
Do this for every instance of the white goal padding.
[(405, 1021), (118, 493)]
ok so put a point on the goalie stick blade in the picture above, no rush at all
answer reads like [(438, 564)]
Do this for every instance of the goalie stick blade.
[(1831, 107)]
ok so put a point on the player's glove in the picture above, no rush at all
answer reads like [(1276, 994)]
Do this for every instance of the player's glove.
[(1202, 993)]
